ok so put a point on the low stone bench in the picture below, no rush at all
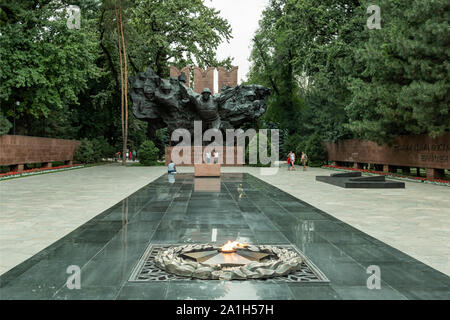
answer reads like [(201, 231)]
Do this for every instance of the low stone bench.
[(207, 170)]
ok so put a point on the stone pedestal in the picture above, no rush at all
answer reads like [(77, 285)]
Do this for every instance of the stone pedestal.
[(190, 156), (207, 170)]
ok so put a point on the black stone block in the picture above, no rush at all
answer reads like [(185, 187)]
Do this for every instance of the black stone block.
[(346, 174), (374, 178), (377, 182)]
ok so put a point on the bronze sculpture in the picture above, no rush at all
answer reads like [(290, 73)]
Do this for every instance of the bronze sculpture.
[(170, 103)]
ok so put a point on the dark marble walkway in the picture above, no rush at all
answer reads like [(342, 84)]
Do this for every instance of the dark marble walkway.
[(240, 206)]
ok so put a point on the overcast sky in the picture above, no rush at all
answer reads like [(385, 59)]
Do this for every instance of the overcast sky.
[(243, 16)]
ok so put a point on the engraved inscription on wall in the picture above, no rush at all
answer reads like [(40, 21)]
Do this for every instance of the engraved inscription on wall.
[(442, 147)]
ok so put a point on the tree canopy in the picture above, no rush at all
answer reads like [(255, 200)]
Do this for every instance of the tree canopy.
[(67, 81), (334, 77), (331, 76)]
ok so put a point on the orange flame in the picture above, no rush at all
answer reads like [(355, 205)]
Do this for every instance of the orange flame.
[(231, 246)]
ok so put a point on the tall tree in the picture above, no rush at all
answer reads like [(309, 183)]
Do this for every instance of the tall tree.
[(272, 64), (123, 76), (175, 32), (68, 82), (404, 88), (325, 35), (44, 65)]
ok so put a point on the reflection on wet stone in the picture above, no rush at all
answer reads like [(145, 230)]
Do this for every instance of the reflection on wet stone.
[(116, 250)]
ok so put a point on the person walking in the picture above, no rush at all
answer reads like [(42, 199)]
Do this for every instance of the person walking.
[(208, 157), (304, 160), (293, 160), (134, 155), (216, 157)]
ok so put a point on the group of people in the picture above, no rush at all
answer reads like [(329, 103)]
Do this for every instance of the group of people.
[(172, 168), (291, 160), (216, 157), (129, 155)]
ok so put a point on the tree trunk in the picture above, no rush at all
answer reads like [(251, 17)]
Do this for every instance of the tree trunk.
[(125, 79), (119, 45)]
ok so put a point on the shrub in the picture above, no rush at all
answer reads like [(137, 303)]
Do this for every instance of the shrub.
[(102, 149), (161, 141), (85, 152), (254, 145), (291, 144), (315, 150), (148, 153), (5, 125)]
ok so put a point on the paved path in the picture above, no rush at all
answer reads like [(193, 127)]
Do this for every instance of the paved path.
[(36, 211), (415, 220)]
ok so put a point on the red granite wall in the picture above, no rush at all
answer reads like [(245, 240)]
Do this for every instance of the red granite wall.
[(203, 79), (174, 72), (228, 78), (19, 150), (419, 151)]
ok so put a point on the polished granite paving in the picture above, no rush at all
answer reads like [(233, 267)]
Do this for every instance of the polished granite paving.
[(204, 210)]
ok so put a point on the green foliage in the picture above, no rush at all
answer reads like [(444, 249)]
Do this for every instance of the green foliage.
[(85, 153), (102, 149), (148, 153), (291, 144), (92, 151), (44, 65), (254, 146), (5, 125), (315, 150), (404, 88), (185, 32), (349, 81), (67, 81), (272, 65), (300, 62), (161, 141)]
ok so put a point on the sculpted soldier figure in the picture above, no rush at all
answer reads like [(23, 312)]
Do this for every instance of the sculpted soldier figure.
[(208, 109), (170, 103)]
